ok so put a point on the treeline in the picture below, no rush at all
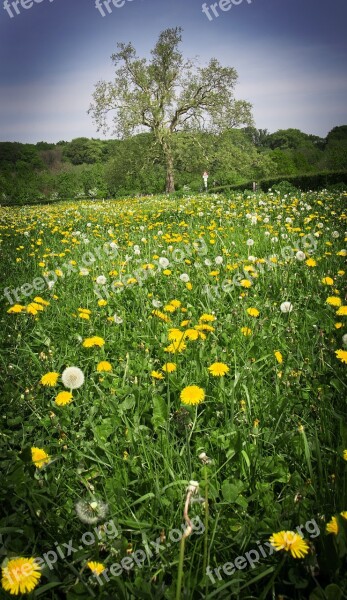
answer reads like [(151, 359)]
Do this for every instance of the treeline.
[(109, 168)]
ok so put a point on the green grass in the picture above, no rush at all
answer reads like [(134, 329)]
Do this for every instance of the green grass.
[(274, 432)]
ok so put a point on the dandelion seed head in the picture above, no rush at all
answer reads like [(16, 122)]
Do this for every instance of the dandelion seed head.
[(72, 378)]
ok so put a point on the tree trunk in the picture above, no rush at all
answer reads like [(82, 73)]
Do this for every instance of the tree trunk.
[(170, 183), (170, 180)]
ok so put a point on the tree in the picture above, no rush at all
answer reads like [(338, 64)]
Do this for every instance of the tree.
[(166, 95), (83, 151), (257, 136)]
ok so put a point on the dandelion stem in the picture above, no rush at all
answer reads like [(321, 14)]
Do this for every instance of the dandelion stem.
[(186, 534), (206, 531)]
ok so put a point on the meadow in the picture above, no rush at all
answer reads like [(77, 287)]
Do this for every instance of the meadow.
[(174, 398)]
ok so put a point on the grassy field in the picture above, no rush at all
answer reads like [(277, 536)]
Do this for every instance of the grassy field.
[(174, 398)]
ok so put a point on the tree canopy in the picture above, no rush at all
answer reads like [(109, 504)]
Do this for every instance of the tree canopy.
[(167, 95)]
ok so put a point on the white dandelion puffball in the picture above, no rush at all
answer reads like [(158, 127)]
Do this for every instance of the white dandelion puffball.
[(184, 277), (72, 378), (91, 512), (335, 234), (218, 260), (137, 250), (344, 339), (300, 255), (114, 246), (286, 307), (252, 258), (250, 242), (163, 262), (207, 262), (156, 303), (117, 319), (101, 280), (84, 271)]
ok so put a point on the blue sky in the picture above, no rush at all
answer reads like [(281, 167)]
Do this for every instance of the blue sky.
[(290, 56)]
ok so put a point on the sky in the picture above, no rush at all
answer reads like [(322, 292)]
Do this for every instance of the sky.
[(290, 56)]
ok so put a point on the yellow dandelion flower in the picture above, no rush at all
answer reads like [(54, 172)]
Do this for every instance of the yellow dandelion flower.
[(207, 317), (185, 323), (253, 312), (93, 341), (39, 457), (191, 334), (161, 315), (170, 308), (204, 327), (278, 356), (290, 541), (311, 262), (96, 567), (328, 281), (332, 526), (189, 286), (102, 302), (246, 331), (192, 394), (174, 347), (345, 455), (334, 301), (84, 315), (49, 379), (63, 398), (338, 325), (31, 310), (245, 283), (16, 308), (175, 335), (167, 272), (41, 301), (85, 310), (170, 367), (157, 375), (20, 575), (104, 367), (341, 355), (176, 303), (342, 312), (35, 306), (218, 369)]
